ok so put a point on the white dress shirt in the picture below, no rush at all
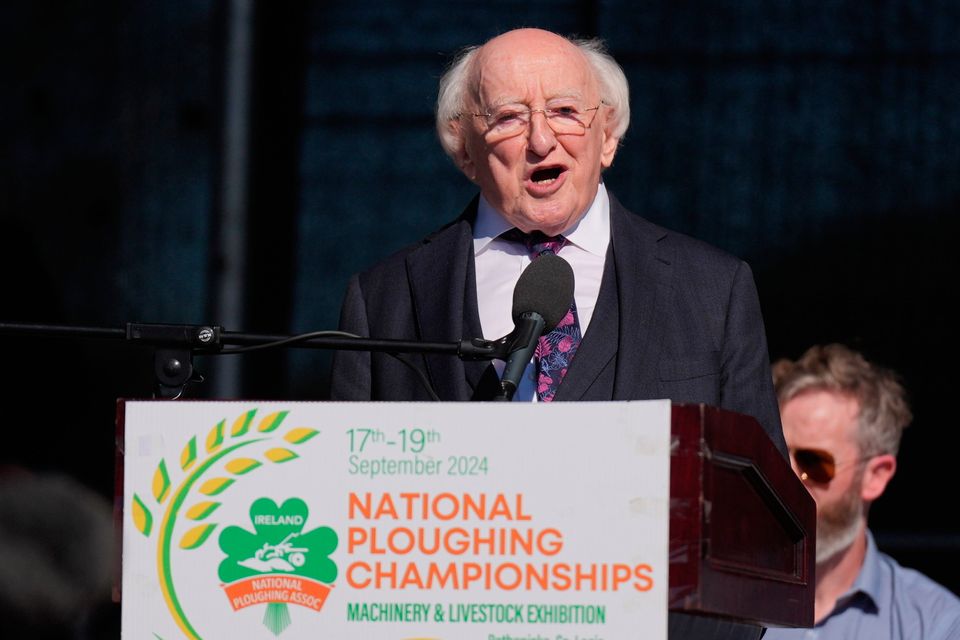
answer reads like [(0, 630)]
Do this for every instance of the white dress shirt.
[(500, 262)]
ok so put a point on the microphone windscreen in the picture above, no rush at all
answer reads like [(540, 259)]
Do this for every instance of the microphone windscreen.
[(544, 287)]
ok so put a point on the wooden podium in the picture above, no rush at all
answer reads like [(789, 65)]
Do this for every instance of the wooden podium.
[(204, 485), (742, 525)]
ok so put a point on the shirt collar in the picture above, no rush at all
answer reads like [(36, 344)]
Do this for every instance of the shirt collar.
[(869, 581), (867, 587), (591, 233)]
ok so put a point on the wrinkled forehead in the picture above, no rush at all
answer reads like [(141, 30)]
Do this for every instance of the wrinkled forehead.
[(531, 71)]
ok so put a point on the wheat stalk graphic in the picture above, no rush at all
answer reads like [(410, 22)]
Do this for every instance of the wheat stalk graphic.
[(168, 501)]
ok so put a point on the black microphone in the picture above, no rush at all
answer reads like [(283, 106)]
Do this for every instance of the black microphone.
[(541, 299)]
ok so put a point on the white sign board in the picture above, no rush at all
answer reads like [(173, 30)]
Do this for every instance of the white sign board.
[(395, 520)]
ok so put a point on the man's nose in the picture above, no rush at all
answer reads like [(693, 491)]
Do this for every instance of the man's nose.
[(542, 139)]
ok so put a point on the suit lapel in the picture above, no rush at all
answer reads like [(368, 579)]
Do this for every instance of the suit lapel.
[(599, 346), (635, 277), (644, 274), (444, 292)]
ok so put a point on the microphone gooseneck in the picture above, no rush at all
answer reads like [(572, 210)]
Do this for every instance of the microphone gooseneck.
[(541, 299)]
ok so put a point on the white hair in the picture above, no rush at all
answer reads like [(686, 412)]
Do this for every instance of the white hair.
[(455, 85)]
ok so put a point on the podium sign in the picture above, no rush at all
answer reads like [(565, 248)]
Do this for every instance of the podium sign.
[(395, 520)]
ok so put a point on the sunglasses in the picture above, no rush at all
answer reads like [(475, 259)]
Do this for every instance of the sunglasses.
[(818, 465)]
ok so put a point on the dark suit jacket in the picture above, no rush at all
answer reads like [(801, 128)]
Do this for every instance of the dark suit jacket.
[(675, 318)]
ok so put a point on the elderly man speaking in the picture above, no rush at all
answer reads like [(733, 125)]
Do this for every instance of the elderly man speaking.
[(533, 119)]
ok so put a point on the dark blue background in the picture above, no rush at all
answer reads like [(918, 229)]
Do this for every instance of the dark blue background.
[(819, 141)]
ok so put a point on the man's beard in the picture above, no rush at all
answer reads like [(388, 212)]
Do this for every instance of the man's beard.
[(838, 524)]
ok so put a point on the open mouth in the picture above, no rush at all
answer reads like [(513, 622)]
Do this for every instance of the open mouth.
[(546, 176)]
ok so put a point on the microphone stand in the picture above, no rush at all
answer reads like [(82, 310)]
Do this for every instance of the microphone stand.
[(176, 344)]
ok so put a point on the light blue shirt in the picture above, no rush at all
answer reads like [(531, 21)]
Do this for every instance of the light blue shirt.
[(886, 602)]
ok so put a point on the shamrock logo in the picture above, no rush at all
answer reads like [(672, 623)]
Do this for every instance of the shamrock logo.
[(186, 494), (277, 547)]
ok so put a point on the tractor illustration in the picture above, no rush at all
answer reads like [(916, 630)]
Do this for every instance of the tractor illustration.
[(282, 556)]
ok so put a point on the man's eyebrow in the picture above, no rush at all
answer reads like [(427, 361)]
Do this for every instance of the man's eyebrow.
[(561, 95), (499, 102)]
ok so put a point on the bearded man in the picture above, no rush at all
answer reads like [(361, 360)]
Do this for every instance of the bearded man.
[(843, 418)]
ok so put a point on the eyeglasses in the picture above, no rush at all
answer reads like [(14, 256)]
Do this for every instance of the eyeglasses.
[(565, 117), (818, 465)]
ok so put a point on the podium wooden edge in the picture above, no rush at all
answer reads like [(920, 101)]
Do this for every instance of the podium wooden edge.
[(742, 525)]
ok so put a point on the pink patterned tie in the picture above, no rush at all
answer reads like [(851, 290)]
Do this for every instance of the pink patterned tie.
[(556, 349)]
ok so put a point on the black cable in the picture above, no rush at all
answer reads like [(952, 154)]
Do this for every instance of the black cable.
[(291, 340), (327, 334), (420, 374)]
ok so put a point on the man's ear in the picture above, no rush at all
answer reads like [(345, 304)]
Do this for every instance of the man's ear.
[(878, 472), (610, 143), (463, 156)]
